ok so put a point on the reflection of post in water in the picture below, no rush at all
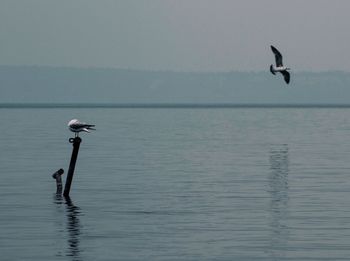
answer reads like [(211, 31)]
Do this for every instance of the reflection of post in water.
[(73, 227), (278, 189)]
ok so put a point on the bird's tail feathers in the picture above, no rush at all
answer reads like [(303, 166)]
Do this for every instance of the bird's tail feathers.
[(271, 70)]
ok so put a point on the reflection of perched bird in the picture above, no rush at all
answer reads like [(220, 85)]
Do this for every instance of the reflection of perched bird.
[(279, 65), (77, 126)]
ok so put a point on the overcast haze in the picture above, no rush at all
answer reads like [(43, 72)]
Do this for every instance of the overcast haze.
[(179, 35)]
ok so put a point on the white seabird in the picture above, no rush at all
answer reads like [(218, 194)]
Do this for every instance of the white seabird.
[(77, 126), (279, 65)]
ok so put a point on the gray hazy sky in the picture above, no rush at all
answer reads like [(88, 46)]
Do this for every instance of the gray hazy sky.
[(181, 35)]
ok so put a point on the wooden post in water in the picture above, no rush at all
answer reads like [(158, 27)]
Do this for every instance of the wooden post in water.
[(76, 144), (57, 176)]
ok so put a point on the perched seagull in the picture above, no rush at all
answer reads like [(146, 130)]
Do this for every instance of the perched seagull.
[(77, 126), (279, 65)]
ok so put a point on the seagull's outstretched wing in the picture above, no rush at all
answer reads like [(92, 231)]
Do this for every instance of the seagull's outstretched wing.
[(278, 56), (286, 76)]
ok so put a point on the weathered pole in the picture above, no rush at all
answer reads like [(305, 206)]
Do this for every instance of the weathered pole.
[(76, 144), (57, 176)]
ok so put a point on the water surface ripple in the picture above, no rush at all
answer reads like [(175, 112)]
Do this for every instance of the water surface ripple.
[(177, 184)]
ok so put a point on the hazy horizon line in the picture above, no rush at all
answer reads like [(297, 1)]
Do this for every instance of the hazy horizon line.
[(158, 70), (87, 105)]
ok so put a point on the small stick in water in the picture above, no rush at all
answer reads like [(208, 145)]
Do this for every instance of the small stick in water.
[(57, 176)]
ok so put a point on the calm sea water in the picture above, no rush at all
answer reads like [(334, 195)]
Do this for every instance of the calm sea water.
[(177, 184)]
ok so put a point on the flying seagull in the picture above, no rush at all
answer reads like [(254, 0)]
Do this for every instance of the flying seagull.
[(77, 126), (279, 65)]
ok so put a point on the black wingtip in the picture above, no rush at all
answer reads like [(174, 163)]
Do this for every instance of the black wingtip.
[(286, 76)]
